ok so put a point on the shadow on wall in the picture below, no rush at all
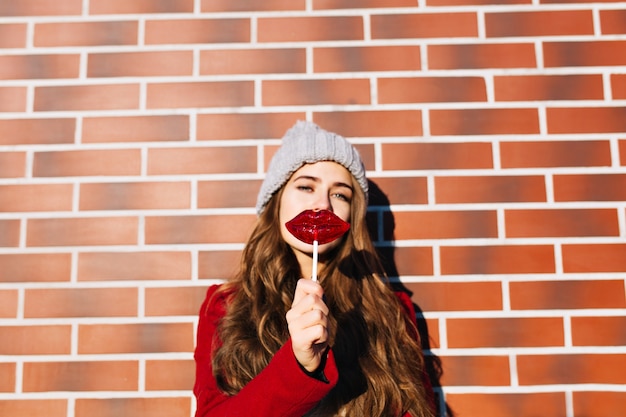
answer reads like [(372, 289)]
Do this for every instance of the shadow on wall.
[(433, 362)]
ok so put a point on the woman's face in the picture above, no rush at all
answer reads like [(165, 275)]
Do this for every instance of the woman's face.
[(323, 185)]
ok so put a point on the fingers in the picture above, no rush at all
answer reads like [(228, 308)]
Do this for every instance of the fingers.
[(308, 324), (306, 287)]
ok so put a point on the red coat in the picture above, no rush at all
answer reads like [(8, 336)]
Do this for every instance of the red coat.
[(281, 389)]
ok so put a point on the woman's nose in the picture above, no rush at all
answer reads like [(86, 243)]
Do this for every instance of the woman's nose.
[(322, 202)]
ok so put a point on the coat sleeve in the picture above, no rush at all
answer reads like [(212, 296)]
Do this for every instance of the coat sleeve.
[(281, 389)]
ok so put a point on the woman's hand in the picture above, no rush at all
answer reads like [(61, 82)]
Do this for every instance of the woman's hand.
[(308, 324)]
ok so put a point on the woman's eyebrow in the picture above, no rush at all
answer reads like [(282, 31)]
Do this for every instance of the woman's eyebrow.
[(343, 185), (307, 177), (317, 179)]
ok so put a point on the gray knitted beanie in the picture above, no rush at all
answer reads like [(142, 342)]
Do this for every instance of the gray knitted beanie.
[(306, 143)]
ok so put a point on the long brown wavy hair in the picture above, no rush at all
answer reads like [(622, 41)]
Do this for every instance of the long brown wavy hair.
[(380, 363)]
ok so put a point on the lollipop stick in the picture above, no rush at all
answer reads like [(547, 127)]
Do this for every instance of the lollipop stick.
[(314, 269)]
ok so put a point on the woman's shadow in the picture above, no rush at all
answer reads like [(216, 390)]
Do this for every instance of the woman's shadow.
[(434, 369)]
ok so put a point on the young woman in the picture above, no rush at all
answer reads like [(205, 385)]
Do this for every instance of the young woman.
[(273, 342)]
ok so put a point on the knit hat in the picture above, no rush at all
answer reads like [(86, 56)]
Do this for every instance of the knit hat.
[(306, 143)]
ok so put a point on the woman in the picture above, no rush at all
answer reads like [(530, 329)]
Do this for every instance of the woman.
[(273, 342)]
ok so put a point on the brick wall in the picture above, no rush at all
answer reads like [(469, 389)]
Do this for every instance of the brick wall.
[(134, 136)]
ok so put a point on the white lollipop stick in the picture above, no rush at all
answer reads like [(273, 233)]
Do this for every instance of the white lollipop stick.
[(314, 269)]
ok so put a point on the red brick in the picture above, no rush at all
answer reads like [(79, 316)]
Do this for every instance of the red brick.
[(495, 189), (8, 307), (476, 370), (252, 61), (484, 121), (34, 407), (309, 29), (622, 152), (431, 328), (162, 375), (431, 89), (182, 301), (372, 123), (39, 8), (225, 194), (475, 2), (586, 119), (612, 22), (598, 404), (46, 339), (9, 233), (423, 156), (251, 5), (594, 258), (510, 259), (479, 56), (546, 295), (403, 261), (598, 331), (86, 33), (539, 23), (139, 6), (12, 35), (179, 161), (7, 383), (82, 231), (315, 92), (135, 338), (365, 4), (140, 64), (398, 190), (115, 407), (35, 267), (135, 196), (618, 83), (584, 53), (453, 296), (576, 1), (590, 187), (135, 129), (81, 376), (445, 224), (100, 162), (426, 25), (80, 302), (87, 97), (12, 165), (561, 223), (12, 99), (36, 131), (509, 404), (218, 264), (18, 67), (134, 266), (505, 332), (203, 31), (552, 154), (367, 58), (198, 229), (571, 369), (245, 126), (35, 197), (201, 94), (548, 87)]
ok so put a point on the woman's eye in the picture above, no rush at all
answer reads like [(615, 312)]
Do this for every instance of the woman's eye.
[(304, 188), (341, 196)]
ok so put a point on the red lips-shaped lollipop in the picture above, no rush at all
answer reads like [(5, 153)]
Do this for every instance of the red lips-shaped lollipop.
[(316, 227), (322, 226)]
